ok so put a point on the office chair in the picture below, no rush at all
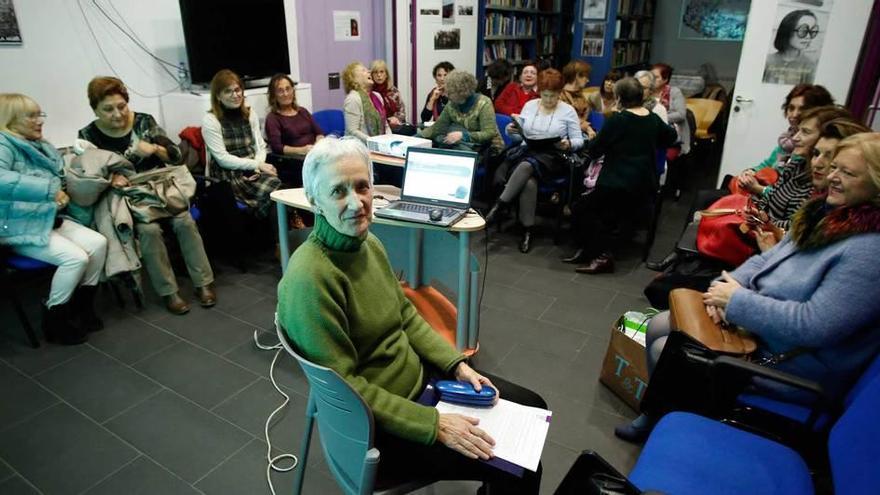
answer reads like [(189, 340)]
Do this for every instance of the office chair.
[(331, 121)]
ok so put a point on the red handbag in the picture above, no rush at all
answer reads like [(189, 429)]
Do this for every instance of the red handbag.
[(725, 230), (766, 177)]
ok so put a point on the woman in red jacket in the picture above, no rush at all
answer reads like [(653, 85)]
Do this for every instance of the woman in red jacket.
[(514, 96)]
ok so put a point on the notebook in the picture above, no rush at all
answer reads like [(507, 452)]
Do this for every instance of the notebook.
[(434, 180)]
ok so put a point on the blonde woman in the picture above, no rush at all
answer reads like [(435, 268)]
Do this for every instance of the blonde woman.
[(394, 107), (364, 110)]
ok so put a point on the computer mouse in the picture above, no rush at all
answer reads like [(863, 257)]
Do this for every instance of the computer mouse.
[(435, 215)]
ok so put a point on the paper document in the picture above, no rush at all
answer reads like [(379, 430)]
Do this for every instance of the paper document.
[(519, 431)]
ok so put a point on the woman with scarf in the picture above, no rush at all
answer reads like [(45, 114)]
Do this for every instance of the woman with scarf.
[(576, 75), (814, 292), (364, 110), (395, 110), (437, 99)]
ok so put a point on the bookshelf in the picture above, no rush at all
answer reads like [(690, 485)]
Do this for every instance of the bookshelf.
[(633, 27), (518, 30)]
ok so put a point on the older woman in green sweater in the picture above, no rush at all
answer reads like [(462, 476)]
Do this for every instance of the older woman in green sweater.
[(343, 307)]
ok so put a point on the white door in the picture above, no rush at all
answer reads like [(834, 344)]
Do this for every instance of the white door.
[(756, 118)]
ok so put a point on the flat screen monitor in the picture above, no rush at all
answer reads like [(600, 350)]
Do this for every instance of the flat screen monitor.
[(250, 38)]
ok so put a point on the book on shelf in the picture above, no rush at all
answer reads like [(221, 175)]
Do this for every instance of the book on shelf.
[(498, 24), (516, 4), (631, 53), (640, 29), (635, 8)]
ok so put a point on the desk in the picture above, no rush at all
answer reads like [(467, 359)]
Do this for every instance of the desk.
[(410, 252), (376, 158)]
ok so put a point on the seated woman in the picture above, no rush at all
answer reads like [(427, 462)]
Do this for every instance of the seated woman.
[(498, 76), (290, 128), (395, 110), (343, 307), (545, 118), (364, 110), (576, 75), (515, 95), (32, 198), (231, 130), (604, 100), (830, 134), (815, 291), (138, 138), (629, 140), (468, 121), (652, 103), (437, 99)]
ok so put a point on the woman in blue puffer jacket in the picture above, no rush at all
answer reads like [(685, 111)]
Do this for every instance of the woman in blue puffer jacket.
[(32, 198)]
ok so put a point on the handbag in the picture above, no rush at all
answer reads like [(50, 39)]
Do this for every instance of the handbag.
[(724, 230), (159, 193), (766, 177), (687, 313)]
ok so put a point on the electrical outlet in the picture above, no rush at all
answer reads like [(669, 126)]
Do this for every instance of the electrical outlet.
[(333, 80)]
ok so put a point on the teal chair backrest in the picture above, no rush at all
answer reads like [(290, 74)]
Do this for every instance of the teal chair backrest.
[(331, 121), (346, 425), (501, 121)]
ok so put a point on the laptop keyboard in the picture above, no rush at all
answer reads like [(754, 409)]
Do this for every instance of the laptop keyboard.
[(425, 209)]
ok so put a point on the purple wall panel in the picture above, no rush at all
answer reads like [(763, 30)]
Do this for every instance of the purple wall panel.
[(319, 54)]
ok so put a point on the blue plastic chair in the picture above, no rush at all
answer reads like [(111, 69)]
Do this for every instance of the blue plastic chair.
[(331, 121), (502, 121), (596, 120), (347, 430), (689, 454)]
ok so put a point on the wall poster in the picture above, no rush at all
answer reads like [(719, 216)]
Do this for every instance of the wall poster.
[(9, 32), (796, 43), (346, 25), (714, 20)]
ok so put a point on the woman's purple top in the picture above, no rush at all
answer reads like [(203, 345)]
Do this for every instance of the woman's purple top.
[(283, 130)]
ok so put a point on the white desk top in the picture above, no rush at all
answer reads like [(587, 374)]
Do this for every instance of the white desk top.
[(296, 198), (379, 158)]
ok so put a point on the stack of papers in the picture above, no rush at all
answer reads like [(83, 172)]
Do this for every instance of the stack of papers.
[(519, 431)]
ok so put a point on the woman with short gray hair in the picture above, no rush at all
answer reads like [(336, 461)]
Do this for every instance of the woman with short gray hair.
[(646, 79), (468, 121), (342, 306)]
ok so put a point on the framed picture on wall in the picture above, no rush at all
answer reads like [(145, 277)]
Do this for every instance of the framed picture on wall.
[(9, 32), (595, 9), (713, 20)]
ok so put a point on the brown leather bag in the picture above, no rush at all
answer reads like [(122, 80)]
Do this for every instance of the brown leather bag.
[(687, 313)]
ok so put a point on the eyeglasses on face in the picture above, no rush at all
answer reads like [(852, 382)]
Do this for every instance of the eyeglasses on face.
[(233, 91), (36, 115), (804, 31)]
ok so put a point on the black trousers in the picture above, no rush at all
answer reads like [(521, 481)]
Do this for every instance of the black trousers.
[(402, 459), (596, 216)]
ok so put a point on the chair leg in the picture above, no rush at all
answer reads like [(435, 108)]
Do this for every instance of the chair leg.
[(25, 322), (304, 446)]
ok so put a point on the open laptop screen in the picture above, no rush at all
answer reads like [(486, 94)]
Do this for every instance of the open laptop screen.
[(433, 176)]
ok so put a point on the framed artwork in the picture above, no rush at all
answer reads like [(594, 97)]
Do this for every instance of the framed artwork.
[(595, 9), (713, 20), (9, 32)]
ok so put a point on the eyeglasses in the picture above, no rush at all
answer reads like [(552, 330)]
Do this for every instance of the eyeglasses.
[(230, 92), (36, 115), (804, 30)]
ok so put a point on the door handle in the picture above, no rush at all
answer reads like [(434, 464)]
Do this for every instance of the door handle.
[(740, 99)]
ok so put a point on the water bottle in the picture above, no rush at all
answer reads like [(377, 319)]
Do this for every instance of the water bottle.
[(183, 76)]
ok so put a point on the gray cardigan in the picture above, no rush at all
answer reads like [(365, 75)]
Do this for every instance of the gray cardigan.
[(825, 299), (677, 117)]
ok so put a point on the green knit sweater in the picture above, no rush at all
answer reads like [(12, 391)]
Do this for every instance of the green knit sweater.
[(343, 308)]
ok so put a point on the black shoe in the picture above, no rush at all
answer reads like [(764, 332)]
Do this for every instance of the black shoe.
[(82, 306), (632, 433), (662, 265), (57, 326), (578, 256), (602, 264), (526, 243)]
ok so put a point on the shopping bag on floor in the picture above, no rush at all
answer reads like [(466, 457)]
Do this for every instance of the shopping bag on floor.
[(625, 368)]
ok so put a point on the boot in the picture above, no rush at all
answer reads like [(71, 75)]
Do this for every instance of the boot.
[(57, 326), (82, 306), (495, 212), (578, 256), (662, 265), (526, 243), (604, 263)]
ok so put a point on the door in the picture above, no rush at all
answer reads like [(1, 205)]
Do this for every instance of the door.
[(756, 119)]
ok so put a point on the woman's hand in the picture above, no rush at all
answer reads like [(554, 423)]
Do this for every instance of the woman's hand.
[(393, 121), (436, 93), (119, 181), (721, 291), (716, 314), (587, 129), (511, 128), (460, 433), (61, 199), (564, 145), (768, 238), (145, 149), (464, 373), (265, 168), (750, 183), (453, 137)]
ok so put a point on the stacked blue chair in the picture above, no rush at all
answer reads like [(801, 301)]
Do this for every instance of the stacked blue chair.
[(502, 122), (347, 431), (331, 121), (22, 264)]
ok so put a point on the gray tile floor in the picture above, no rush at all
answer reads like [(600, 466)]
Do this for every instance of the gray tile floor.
[(162, 404)]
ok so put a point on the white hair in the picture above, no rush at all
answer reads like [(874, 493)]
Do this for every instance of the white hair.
[(328, 151), (646, 73)]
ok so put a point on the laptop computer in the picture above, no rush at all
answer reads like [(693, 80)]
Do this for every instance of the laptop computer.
[(437, 186)]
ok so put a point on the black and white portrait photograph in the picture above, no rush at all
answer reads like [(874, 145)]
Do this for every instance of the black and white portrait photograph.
[(593, 47), (465, 10), (448, 11), (9, 32), (447, 39), (795, 45), (595, 9), (594, 30)]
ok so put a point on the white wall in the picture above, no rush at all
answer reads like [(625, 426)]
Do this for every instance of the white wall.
[(685, 55), (58, 56)]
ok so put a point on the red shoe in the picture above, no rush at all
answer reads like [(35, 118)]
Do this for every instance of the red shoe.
[(602, 264)]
